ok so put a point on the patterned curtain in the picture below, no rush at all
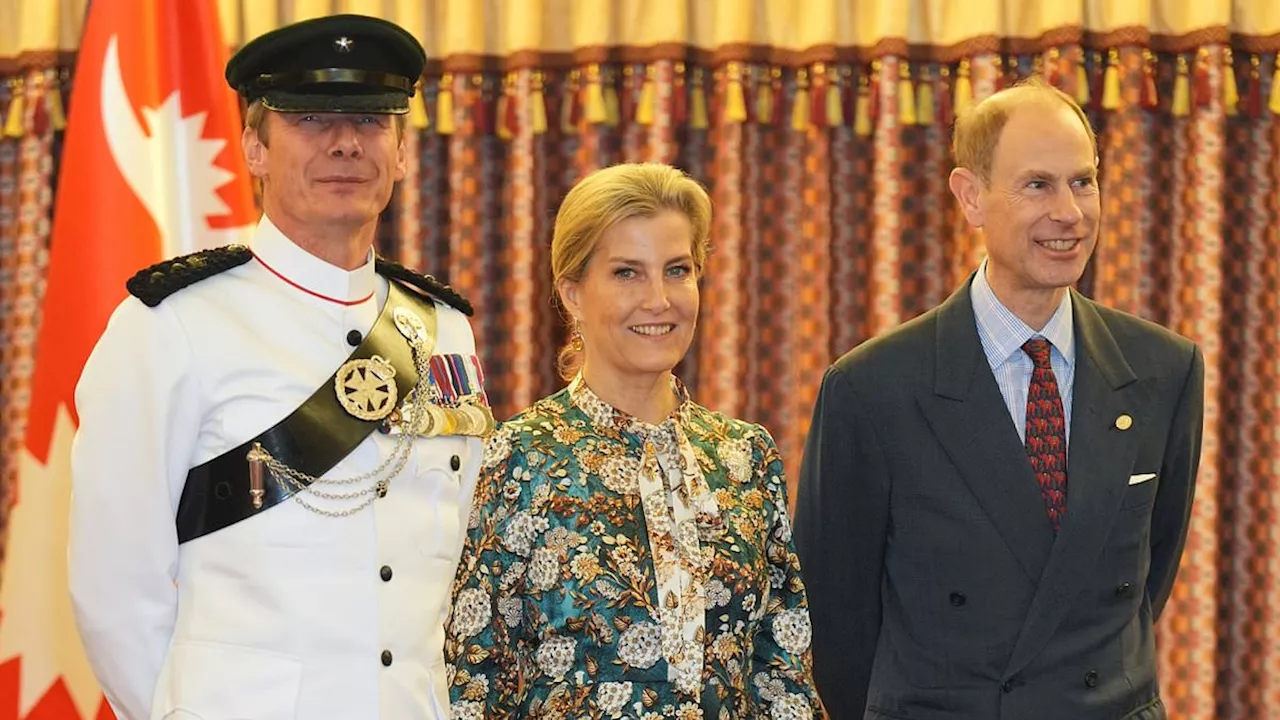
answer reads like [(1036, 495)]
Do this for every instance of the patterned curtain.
[(29, 143), (827, 163)]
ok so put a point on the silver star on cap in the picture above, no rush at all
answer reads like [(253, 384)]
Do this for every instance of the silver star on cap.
[(343, 44)]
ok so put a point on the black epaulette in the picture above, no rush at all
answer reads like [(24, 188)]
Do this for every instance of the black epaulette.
[(425, 283), (152, 285)]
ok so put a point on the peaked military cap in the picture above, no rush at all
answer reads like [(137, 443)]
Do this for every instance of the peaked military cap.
[(340, 63)]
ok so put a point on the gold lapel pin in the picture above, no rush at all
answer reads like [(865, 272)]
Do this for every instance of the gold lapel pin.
[(1124, 422)]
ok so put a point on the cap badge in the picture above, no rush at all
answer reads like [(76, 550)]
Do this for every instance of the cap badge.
[(343, 44)]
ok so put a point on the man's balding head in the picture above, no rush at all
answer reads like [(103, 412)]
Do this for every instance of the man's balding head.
[(977, 131)]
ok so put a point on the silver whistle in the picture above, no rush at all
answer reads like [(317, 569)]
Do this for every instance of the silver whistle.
[(257, 483)]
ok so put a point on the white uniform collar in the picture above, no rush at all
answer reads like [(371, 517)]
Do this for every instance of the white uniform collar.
[(308, 273)]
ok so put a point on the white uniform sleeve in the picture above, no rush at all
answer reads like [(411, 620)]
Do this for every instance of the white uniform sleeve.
[(139, 406)]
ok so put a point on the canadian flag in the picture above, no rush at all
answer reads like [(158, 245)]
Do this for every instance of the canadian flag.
[(151, 168)]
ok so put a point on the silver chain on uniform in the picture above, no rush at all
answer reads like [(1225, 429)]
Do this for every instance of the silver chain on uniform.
[(304, 483)]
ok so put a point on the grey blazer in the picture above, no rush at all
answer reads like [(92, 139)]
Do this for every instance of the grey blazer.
[(936, 584)]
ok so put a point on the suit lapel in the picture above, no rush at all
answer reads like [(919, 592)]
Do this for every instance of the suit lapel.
[(969, 418), (1099, 456)]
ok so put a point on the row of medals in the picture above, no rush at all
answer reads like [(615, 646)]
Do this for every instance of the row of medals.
[(468, 415)]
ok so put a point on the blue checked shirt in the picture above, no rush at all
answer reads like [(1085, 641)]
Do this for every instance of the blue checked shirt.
[(1002, 334)]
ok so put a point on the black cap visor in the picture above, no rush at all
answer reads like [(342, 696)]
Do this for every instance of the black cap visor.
[(334, 90)]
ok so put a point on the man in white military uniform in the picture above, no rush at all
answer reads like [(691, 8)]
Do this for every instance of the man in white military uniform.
[(278, 445)]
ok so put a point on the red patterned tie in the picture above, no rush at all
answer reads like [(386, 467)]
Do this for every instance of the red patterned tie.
[(1046, 431)]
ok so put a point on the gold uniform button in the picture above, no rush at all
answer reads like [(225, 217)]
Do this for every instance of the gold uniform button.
[(1124, 422)]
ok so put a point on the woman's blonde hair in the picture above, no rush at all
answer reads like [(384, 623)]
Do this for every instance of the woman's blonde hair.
[(613, 194)]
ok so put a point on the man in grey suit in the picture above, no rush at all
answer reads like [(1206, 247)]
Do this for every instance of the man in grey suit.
[(995, 496)]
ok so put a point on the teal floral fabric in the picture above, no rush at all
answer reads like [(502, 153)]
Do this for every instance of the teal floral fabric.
[(619, 569)]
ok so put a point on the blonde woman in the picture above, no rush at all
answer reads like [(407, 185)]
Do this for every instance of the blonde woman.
[(629, 552)]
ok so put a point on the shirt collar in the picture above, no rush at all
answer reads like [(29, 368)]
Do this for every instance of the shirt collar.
[(1004, 333), (607, 416), (308, 273)]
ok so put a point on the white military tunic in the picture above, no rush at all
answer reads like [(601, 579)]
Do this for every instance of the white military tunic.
[(289, 613)]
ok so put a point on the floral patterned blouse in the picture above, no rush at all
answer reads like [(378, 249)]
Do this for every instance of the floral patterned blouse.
[(619, 569)]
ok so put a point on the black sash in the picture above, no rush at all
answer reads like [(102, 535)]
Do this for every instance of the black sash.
[(312, 439)]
